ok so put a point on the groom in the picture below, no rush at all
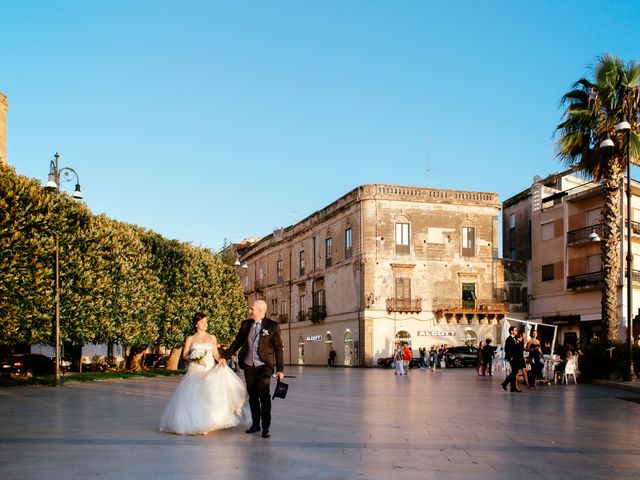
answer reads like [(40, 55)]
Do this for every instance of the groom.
[(261, 350)]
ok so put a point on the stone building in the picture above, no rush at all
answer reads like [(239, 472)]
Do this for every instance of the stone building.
[(381, 264), (4, 106), (551, 226)]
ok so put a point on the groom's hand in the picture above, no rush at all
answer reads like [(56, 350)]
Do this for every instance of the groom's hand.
[(279, 375), (222, 362)]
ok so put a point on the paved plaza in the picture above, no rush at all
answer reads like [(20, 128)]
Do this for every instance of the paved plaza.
[(334, 424)]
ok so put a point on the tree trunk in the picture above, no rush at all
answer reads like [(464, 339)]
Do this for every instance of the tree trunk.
[(133, 359), (610, 246), (174, 358)]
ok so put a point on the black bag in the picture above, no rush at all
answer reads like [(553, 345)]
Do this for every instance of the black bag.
[(281, 390)]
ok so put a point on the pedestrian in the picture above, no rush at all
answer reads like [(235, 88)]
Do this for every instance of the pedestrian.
[(210, 396), (522, 364), (423, 357), (398, 358), (332, 358), (261, 353), (510, 353), (407, 356), (487, 357), (535, 357), (479, 363)]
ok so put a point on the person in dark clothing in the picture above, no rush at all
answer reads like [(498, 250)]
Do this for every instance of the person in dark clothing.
[(487, 357), (510, 353), (332, 358)]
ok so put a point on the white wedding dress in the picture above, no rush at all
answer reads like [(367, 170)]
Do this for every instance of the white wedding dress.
[(208, 398)]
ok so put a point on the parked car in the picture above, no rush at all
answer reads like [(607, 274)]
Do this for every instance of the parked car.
[(461, 356), (386, 362), (161, 362), (28, 365), (389, 362)]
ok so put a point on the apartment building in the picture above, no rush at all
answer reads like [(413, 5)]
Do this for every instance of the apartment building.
[(381, 264), (553, 228)]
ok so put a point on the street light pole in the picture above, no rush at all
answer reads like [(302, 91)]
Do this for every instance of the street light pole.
[(624, 126), (53, 183)]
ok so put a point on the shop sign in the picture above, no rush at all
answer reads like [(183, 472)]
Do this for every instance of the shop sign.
[(435, 333), (314, 338)]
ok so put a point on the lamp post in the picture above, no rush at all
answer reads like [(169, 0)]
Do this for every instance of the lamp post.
[(53, 183), (625, 127)]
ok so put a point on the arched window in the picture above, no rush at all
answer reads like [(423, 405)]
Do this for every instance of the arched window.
[(404, 337), (348, 348), (300, 350), (470, 338)]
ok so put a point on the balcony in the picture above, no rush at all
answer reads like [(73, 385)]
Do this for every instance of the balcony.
[(317, 313), (463, 312), (581, 235), (635, 227), (584, 281), (283, 318), (404, 305), (301, 316)]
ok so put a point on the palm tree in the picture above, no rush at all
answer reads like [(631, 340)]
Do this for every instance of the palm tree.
[(592, 110)]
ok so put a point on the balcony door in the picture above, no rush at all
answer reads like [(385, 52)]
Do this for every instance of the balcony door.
[(468, 295)]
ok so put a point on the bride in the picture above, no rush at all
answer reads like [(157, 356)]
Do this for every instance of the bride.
[(209, 397)]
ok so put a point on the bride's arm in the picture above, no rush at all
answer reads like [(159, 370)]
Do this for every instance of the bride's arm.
[(187, 347), (216, 354)]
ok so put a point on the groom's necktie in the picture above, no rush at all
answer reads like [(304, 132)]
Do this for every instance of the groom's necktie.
[(256, 332)]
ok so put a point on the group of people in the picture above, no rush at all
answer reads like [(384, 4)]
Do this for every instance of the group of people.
[(429, 359), (211, 396), (515, 347), (484, 363)]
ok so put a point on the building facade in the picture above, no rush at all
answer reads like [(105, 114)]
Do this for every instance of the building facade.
[(554, 228), (381, 264)]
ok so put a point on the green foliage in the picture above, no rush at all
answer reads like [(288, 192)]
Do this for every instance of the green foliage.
[(119, 283)]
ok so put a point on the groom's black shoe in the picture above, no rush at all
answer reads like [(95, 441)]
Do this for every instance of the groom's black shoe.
[(265, 434), (253, 429)]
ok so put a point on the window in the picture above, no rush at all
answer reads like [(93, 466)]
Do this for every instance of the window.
[(594, 263), (348, 243), (279, 272), (468, 241), (328, 243), (301, 308), (547, 231), (403, 288), (313, 253), (548, 272), (260, 278), (514, 294), (468, 295), (301, 263), (402, 238), (283, 308), (512, 220), (274, 306)]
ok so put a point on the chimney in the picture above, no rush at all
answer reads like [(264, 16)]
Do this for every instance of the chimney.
[(3, 127)]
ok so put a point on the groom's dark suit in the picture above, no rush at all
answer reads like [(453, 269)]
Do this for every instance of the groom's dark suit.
[(270, 352), (510, 351)]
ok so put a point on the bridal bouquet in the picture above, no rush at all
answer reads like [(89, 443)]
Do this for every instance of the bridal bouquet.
[(197, 354)]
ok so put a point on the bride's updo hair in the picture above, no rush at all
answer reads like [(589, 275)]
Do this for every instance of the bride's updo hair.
[(196, 318)]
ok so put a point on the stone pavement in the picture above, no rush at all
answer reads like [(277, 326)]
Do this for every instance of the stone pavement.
[(334, 424)]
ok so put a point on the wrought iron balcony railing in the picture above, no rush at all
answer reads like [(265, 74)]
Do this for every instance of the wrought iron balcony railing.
[(283, 318), (404, 305), (582, 235), (584, 280), (317, 313)]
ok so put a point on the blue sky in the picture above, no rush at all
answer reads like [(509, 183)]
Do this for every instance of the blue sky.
[(206, 120)]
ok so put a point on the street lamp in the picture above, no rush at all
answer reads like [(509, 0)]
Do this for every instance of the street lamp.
[(53, 183), (621, 127)]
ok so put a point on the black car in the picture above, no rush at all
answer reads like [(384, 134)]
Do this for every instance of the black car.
[(389, 362), (28, 365), (461, 356)]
